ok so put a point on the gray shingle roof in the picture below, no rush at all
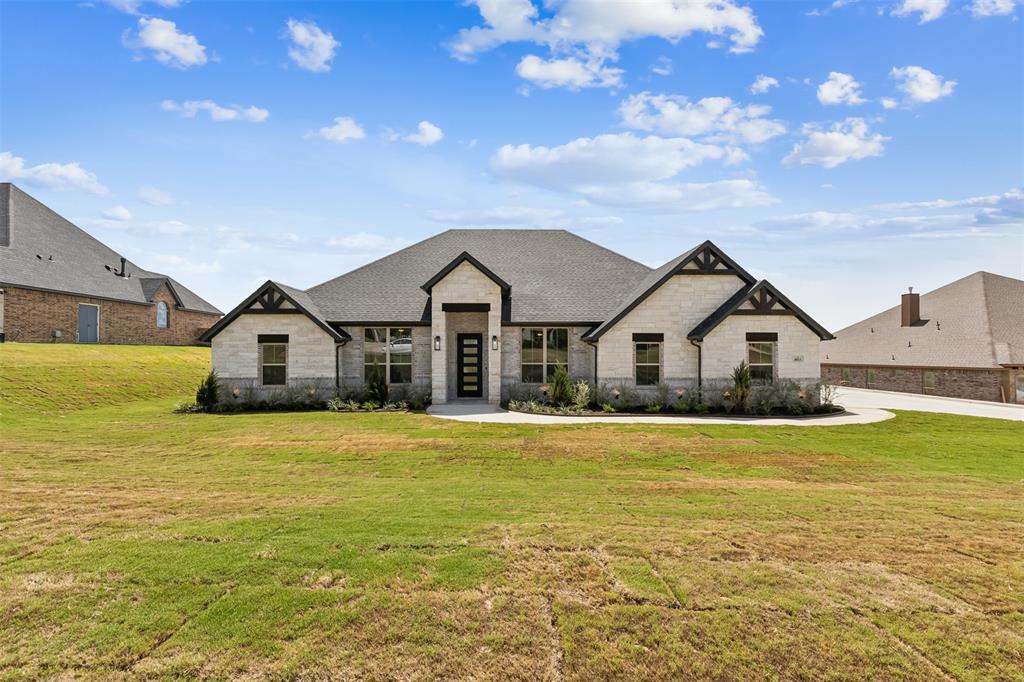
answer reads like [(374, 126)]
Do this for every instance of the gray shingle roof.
[(554, 275), (708, 324), (977, 321), (48, 252)]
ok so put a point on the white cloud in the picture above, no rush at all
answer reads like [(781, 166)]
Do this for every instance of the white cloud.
[(59, 176), (1006, 199), (500, 215), (179, 264), (343, 130), (930, 10), (132, 6), (233, 112), (662, 66), (595, 29), (155, 197), (117, 213), (169, 45), (366, 242), (920, 85), (312, 48), (846, 140), (570, 72), (840, 88), (717, 118), (763, 84), (426, 134), (889, 103), (626, 170), (991, 8)]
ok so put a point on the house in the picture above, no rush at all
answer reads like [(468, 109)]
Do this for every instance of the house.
[(59, 284), (963, 340), (468, 313)]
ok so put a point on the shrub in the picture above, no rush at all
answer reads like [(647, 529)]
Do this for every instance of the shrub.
[(376, 386), (419, 399), (605, 407), (653, 408), (581, 395), (662, 394), (737, 396), (342, 405), (370, 405), (561, 388), (207, 394), (189, 407), (601, 394), (521, 392)]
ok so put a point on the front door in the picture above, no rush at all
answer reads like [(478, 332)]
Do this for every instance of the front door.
[(88, 323), (470, 365)]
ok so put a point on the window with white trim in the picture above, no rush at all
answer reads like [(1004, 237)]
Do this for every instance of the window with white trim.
[(647, 362), (761, 359), (543, 350), (162, 320), (931, 381), (273, 360), (390, 350)]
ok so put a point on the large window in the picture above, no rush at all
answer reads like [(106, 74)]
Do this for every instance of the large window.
[(761, 358), (543, 351), (931, 381), (390, 348), (161, 315), (274, 363), (647, 358)]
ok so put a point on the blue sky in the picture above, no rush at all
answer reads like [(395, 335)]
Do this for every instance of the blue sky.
[(228, 143)]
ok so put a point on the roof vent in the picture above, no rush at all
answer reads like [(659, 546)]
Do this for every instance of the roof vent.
[(910, 308)]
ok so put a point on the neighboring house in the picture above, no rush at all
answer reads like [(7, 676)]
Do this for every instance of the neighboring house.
[(963, 340), (59, 284), (467, 313)]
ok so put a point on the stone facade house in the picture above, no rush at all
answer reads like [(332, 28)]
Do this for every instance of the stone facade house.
[(963, 340), (60, 285), (468, 314)]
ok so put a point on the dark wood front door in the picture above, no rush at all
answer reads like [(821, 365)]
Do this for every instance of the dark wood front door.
[(470, 361)]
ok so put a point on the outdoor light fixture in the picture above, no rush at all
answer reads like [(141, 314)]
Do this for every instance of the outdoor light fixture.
[(437, 343), (494, 343)]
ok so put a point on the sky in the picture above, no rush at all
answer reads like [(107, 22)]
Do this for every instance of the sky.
[(844, 151)]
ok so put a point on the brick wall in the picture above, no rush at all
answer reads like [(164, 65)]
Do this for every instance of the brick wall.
[(974, 384), (32, 317)]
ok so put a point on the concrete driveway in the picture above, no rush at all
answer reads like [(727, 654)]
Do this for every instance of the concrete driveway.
[(861, 398)]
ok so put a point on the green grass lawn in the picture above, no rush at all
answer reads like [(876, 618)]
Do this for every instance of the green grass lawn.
[(137, 543)]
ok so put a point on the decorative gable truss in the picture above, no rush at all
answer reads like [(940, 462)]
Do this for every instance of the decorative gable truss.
[(761, 298), (271, 300), (708, 259), (276, 299), (763, 301)]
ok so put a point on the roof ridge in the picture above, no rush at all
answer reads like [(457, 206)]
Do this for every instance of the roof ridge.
[(988, 318)]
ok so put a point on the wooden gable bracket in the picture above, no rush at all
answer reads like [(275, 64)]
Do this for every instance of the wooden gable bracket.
[(271, 301), (708, 261), (763, 302)]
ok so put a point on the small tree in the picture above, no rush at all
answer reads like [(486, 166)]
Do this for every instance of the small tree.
[(376, 386), (561, 387), (741, 387), (207, 395)]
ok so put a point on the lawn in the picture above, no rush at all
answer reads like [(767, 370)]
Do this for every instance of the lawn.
[(137, 543)]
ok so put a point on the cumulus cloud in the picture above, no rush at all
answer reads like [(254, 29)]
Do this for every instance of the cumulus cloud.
[(59, 176), (920, 86), (662, 66), (367, 242), (889, 103), (840, 88), (426, 134), (846, 140), (117, 213), (343, 130), (168, 45), (132, 6), (715, 118), (627, 170), (312, 48), (1006, 201), (155, 197), (233, 112), (991, 8), (570, 72), (929, 10), (763, 84), (595, 28)]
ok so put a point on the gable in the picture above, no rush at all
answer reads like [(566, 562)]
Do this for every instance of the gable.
[(758, 299), (276, 299)]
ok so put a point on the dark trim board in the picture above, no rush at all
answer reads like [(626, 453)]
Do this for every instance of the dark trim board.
[(466, 307), (271, 338), (261, 295), (648, 338), (764, 297), (762, 336)]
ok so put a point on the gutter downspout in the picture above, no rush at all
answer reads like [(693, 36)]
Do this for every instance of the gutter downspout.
[(337, 365), (698, 347)]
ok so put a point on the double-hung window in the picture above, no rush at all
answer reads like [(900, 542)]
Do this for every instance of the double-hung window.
[(390, 349), (273, 359), (761, 356), (647, 358), (162, 321), (544, 349)]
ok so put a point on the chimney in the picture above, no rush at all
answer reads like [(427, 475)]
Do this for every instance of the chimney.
[(910, 308), (5, 214)]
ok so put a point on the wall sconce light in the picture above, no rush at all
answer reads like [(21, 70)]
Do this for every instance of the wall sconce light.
[(494, 343), (437, 343)]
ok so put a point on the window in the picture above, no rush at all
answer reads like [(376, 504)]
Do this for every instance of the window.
[(274, 364), (1020, 388), (930, 381), (761, 358), (647, 357), (161, 315), (543, 351), (390, 348), (872, 377), (844, 375)]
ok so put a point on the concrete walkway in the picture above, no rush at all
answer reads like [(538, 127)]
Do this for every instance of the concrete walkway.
[(861, 398), (478, 411)]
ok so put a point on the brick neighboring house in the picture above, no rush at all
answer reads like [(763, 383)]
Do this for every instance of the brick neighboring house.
[(60, 285), (472, 313), (963, 340)]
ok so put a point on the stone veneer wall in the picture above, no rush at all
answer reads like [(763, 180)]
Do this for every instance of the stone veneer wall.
[(973, 384), (352, 369), (674, 309), (726, 346), (581, 354), (32, 316), (310, 349)]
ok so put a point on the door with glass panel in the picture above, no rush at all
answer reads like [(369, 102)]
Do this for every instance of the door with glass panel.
[(469, 365)]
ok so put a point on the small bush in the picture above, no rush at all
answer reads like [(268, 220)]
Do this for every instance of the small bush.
[(662, 394), (581, 395), (207, 398), (342, 405), (601, 394), (189, 407), (605, 407), (654, 408), (561, 388), (370, 405), (737, 396)]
